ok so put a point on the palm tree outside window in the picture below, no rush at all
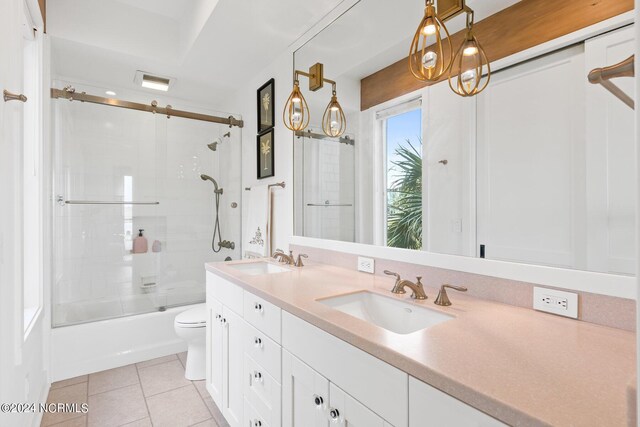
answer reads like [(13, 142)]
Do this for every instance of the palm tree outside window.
[(404, 180)]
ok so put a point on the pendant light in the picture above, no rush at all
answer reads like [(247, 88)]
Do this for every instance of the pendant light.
[(430, 55), (296, 111), (334, 122), (469, 63)]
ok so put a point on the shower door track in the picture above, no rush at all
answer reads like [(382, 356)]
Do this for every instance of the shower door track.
[(72, 95)]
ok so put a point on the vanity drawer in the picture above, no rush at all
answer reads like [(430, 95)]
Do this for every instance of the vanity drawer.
[(224, 291), (262, 391), (374, 383), (251, 417), (266, 352), (263, 315)]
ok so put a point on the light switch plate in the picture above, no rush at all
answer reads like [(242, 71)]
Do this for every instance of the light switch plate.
[(556, 302), (366, 264)]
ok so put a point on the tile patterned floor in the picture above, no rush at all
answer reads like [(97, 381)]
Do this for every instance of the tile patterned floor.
[(151, 393)]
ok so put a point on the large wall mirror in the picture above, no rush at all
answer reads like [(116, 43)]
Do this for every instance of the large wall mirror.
[(539, 168)]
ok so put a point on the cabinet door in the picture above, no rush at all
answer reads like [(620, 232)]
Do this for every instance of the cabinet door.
[(347, 411), (214, 351), (305, 394), (429, 406), (232, 337)]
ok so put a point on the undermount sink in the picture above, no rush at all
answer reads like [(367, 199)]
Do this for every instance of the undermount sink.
[(388, 313), (259, 267)]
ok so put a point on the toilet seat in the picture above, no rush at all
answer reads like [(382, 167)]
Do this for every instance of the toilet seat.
[(192, 318)]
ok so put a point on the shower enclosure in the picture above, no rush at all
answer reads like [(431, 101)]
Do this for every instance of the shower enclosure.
[(325, 186), (119, 170)]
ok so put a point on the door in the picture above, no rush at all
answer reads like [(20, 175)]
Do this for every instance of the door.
[(215, 350), (531, 162), (232, 362), (610, 160), (347, 411), (305, 394)]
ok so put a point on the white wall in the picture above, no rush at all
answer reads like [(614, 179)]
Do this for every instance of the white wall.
[(23, 359), (245, 102)]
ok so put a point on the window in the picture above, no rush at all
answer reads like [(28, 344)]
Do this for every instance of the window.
[(32, 220), (403, 181)]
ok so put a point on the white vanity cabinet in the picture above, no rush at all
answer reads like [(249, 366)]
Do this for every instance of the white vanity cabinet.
[(269, 368), (309, 399), (429, 406), (244, 357), (214, 350), (225, 348), (305, 394)]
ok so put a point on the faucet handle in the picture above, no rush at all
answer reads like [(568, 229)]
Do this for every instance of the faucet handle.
[(392, 273), (299, 260), (442, 298)]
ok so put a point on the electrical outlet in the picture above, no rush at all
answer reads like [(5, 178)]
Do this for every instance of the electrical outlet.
[(366, 264), (556, 302)]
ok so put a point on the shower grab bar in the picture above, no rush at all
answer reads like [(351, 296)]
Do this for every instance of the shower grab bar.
[(104, 202), (603, 75), (277, 184)]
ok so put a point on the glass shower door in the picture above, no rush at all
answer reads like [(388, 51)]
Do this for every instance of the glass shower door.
[(118, 171)]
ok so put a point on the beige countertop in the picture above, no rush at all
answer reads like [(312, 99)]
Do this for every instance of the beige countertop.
[(520, 366)]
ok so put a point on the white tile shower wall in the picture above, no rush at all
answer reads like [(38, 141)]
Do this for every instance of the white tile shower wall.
[(105, 153)]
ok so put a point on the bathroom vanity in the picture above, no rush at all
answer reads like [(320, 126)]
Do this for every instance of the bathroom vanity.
[(291, 346)]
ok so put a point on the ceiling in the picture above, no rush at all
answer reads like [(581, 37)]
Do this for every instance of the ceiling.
[(211, 47)]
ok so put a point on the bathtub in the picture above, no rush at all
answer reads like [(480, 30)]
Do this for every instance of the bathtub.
[(90, 347)]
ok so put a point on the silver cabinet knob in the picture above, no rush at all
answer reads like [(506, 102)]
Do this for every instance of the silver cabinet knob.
[(257, 307), (258, 342), (334, 413), (257, 376), (257, 423), (318, 400)]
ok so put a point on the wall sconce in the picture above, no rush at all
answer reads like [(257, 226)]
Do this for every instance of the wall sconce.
[(296, 110), (470, 60), (427, 53), (427, 60)]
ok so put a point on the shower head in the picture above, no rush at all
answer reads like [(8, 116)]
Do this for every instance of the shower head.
[(208, 178), (214, 145)]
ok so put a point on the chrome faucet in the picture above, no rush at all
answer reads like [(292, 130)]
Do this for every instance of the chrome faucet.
[(416, 288), (443, 298)]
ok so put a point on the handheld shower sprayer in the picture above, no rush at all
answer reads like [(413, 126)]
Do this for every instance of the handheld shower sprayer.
[(216, 226), (208, 178)]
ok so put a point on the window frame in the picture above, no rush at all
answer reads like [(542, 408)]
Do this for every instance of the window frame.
[(381, 117)]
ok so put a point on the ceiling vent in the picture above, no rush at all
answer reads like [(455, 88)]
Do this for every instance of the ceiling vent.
[(150, 81)]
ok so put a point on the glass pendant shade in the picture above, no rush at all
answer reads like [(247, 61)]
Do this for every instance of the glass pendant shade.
[(430, 53), (469, 62), (296, 110), (334, 122)]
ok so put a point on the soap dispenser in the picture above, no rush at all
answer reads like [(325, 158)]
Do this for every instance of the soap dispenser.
[(140, 244)]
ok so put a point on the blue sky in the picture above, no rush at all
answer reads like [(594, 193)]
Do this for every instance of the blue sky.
[(400, 128)]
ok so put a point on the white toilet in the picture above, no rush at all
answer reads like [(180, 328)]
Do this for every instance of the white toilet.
[(191, 326)]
